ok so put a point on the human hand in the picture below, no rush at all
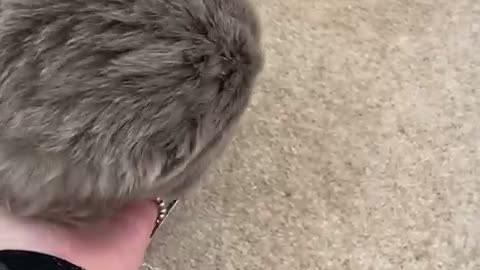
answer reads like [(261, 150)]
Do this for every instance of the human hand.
[(117, 243)]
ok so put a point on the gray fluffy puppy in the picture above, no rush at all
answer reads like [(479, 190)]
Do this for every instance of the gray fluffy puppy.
[(107, 101)]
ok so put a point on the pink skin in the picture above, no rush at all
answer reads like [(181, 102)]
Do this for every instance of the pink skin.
[(118, 243)]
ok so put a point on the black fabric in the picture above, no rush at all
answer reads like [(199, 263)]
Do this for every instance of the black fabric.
[(24, 260)]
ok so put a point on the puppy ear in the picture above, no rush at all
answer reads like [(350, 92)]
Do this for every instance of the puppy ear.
[(157, 160)]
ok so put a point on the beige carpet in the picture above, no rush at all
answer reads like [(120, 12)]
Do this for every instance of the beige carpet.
[(361, 149)]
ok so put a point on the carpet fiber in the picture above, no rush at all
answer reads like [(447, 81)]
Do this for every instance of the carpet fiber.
[(361, 149)]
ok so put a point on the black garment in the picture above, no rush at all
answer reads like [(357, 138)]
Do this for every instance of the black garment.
[(25, 260)]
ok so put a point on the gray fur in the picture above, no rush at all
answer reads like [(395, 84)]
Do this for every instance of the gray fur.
[(107, 101)]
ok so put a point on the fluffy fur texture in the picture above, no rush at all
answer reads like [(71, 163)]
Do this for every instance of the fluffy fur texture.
[(107, 101)]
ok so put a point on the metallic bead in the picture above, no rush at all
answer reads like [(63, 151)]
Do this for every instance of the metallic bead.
[(163, 211)]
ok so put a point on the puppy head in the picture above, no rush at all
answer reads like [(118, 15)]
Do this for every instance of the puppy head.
[(133, 94)]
